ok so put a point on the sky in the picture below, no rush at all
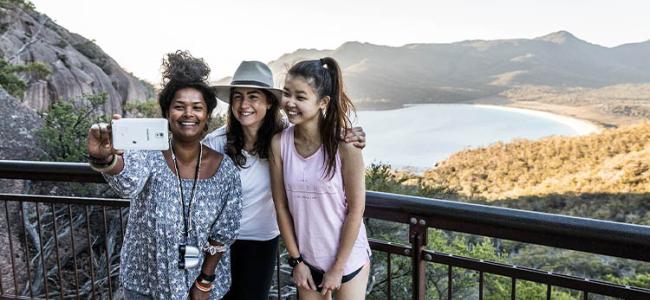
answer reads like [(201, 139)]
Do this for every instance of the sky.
[(137, 33)]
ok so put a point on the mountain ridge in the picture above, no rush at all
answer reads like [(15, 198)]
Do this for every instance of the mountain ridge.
[(466, 70)]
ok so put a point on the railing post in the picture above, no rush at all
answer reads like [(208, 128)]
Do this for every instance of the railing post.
[(418, 239)]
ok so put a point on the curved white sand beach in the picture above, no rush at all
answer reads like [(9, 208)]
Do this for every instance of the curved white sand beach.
[(581, 127)]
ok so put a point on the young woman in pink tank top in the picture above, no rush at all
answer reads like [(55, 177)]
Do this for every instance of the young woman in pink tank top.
[(318, 186)]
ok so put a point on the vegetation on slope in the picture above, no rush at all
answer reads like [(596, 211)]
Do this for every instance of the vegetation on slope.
[(382, 178), (613, 162)]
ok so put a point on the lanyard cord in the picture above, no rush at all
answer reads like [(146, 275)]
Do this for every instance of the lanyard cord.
[(187, 222)]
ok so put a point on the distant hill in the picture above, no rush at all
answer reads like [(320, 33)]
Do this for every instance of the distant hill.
[(468, 70), (611, 106), (616, 161)]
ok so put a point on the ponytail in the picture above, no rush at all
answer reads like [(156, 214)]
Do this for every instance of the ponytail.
[(326, 78)]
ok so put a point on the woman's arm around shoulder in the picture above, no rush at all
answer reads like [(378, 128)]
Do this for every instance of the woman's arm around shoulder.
[(216, 139)]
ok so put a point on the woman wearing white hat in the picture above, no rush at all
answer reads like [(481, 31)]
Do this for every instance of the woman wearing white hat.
[(253, 118)]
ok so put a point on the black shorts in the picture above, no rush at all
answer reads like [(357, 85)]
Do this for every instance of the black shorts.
[(317, 275)]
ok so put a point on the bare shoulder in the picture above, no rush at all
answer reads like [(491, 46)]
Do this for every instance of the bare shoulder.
[(275, 141), (350, 155)]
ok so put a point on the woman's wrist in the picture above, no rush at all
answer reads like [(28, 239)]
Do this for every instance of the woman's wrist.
[(100, 160), (338, 267), (295, 260), (104, 166), (203, 287)]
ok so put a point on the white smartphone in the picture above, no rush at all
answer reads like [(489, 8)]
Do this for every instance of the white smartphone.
[(140, 134)]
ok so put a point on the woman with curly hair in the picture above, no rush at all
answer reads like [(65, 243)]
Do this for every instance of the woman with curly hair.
[(185, 202)]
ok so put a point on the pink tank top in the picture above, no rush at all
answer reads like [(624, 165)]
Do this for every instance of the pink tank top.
[(318, 207)]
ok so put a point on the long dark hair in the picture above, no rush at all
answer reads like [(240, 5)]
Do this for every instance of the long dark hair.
[(271, 125), (182, 70), (324, 75)]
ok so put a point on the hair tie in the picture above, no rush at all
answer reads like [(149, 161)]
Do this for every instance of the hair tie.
[(323, 63)]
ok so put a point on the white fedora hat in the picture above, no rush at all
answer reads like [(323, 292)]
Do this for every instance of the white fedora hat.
[(249, 74)]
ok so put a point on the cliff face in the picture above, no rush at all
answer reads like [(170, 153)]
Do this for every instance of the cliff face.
[(18, 124), (78, 65)]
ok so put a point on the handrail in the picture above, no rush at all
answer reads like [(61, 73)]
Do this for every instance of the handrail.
[(51, 171), (582, 234)]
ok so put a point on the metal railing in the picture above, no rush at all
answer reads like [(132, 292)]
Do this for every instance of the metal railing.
[(419, 214)]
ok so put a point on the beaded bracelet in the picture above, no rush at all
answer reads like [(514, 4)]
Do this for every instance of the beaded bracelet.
[(214, 249)]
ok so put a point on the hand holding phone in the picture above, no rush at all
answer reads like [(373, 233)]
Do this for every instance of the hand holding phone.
[(100, 143)]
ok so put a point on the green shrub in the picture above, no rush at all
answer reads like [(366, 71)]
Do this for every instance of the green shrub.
[(63, 137), (13, 84)]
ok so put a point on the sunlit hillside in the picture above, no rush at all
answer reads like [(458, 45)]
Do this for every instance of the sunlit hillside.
[(613, 105), (614, 161)]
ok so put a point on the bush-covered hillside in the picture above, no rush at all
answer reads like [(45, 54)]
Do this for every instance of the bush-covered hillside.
[(615, 161)]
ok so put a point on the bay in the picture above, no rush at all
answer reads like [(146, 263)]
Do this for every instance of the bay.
[(419, 136)]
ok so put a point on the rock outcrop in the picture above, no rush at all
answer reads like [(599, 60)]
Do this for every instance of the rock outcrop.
[(17, 126), (78, 65)]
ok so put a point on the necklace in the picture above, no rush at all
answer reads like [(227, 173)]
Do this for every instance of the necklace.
[(187, 222)]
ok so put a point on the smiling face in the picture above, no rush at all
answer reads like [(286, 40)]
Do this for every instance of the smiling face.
[(300, 100), (188, 114), (249, 106)]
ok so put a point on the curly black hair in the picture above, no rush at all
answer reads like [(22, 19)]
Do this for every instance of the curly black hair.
[(182, 70)]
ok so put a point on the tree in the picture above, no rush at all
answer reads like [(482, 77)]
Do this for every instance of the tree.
[(12, 83), (64, 135)]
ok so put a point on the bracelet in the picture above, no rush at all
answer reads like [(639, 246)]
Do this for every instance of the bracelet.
[(214, 249), (206, 279), (99, 161), (104, 167), (203, 288), (293, 262)]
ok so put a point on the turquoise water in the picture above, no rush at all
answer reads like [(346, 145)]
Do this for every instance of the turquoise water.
[(419, 136)]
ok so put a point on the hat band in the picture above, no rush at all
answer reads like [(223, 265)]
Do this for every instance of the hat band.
[(250, 82)]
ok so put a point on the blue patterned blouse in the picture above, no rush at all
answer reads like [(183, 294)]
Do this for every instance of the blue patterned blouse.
[(149, 257)]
